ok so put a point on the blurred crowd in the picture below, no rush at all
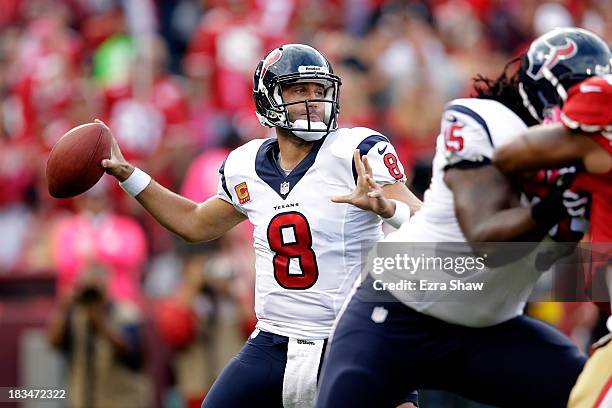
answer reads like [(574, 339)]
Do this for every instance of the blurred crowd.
[(173, 80)]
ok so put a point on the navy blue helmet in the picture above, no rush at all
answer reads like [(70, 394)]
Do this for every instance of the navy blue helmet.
[(293, 63), (557, 60)]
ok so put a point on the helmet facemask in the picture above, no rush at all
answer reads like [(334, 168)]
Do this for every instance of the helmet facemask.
[(304, 128)]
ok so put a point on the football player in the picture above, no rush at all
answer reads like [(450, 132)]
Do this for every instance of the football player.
[(583, 137), (308, 248), (480, 346)]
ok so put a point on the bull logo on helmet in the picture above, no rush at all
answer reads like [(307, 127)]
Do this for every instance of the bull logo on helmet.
[(273, 57), (548, 55)]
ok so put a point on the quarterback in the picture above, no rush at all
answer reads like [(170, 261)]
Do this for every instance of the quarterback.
[(308, 247)]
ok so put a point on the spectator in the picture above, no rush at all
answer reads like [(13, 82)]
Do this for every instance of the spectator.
[(99, 326), (104, 343)]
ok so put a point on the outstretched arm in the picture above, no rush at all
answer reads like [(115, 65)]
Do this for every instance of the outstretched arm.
[(551, 146), (192, 221)]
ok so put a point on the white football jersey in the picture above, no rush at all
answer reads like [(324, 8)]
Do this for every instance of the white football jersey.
[(470, 130), (308, 249)]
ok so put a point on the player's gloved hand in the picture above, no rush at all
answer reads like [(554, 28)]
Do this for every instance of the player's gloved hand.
[(116, 166), (561, 204), (574, 226), (368, 194), (541, 183), (555, 201), (573, 208)]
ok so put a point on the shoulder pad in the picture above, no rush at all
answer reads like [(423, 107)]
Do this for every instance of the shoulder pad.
[(588, 105)]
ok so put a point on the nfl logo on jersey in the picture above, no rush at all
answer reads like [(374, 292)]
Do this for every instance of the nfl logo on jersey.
[(379, 314), (284, 187)]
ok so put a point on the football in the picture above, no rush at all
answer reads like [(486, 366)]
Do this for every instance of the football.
[(74, 162)]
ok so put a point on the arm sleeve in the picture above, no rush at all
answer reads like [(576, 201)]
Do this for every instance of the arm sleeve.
[(386, 167), (223, 189), (466, 139)]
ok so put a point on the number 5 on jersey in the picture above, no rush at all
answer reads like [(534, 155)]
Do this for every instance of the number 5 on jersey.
[(289, 237), (452, 138)]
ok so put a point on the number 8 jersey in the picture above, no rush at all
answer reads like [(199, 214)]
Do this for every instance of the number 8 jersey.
[(308, 249)]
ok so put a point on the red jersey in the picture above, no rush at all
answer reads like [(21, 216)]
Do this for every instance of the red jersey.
[(600, 187), (587, 108)]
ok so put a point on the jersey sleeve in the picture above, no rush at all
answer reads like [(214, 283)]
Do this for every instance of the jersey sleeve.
[(223, 191), (587, 107), (465, 138), (386, 166)]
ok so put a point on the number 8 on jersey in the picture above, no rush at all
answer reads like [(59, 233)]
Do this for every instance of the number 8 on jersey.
[(290, 237)]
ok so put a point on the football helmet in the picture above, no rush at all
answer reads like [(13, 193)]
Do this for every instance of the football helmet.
[(288, 64), (554, 62)]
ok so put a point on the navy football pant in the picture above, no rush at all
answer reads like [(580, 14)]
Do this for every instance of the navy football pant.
[(520, 363), (254, 377)]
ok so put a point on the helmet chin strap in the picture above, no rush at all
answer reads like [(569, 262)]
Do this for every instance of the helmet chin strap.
[(526, 103), (319, 130)]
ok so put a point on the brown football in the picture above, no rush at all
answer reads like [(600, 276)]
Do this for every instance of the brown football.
[(74, 162)]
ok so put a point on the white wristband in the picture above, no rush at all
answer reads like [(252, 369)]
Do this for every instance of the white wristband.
[(138, 181), (401, 215)]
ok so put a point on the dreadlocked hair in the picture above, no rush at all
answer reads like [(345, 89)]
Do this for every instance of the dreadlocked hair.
[(504, 89)]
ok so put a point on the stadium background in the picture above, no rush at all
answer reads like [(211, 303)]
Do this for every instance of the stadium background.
[(173, 81)]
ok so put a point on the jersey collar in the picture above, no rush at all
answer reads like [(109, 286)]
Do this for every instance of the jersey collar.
[(268, 170)]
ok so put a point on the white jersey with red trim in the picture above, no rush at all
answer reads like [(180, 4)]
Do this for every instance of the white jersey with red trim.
[(308, 249), (470, 130)]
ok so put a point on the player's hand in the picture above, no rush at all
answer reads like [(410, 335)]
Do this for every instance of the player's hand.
[(574, 226), (368, 194), (116, 166), (562, 205)]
